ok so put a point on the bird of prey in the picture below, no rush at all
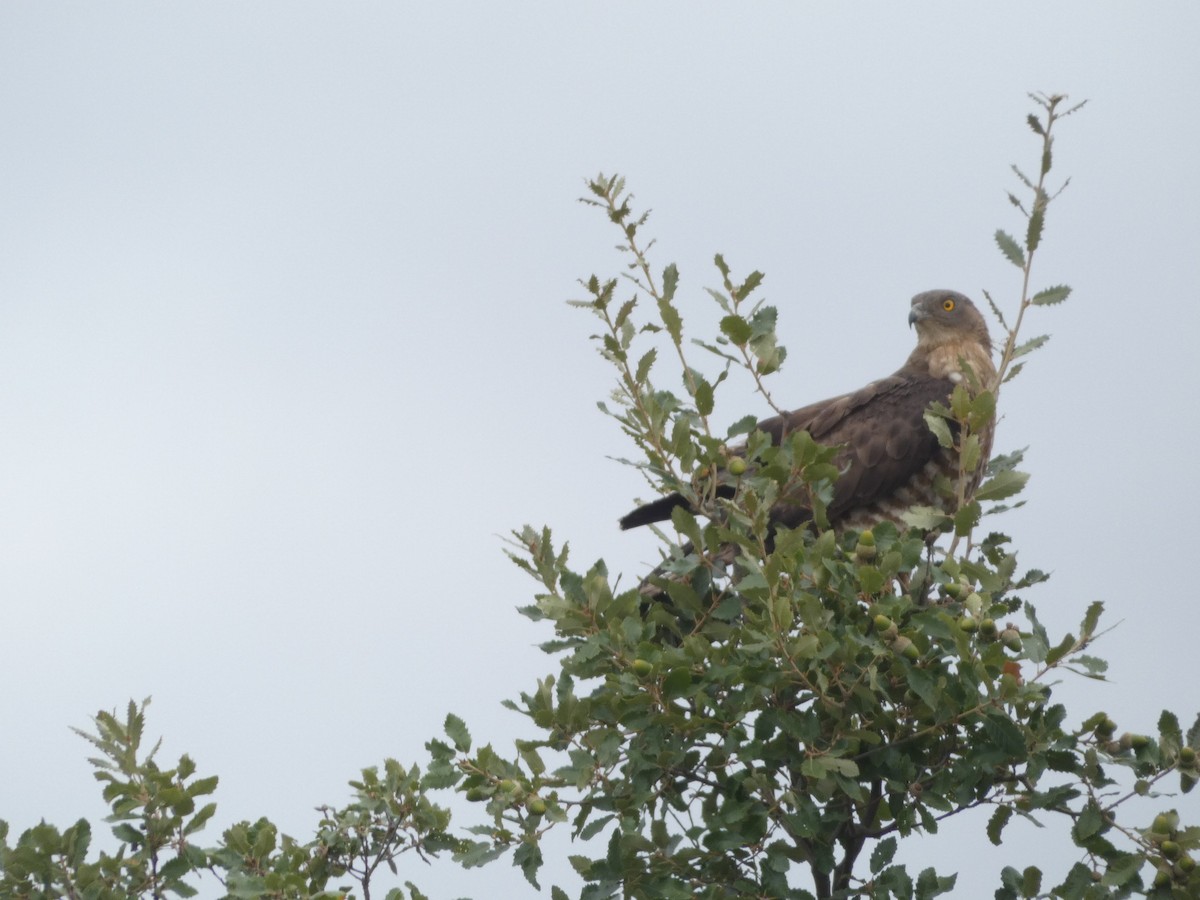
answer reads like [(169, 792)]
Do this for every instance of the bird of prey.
[(889, 458)]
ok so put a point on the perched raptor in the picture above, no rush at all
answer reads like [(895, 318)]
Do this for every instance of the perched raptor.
[(889, 458)]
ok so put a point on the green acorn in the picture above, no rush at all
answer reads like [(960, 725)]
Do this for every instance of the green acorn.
[(866, 550), (642, 667)]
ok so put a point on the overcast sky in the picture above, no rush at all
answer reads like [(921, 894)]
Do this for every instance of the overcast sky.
[(284, 349)]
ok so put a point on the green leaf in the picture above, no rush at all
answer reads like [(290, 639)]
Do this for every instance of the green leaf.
[(1169, 732), (643, 366), (744, 425), (677, 682), (624, 312), (753, 280), (930, 884), (1051, 295), (737, 329), (882, 855), (1029, 346), (967, 518), (1010, 248), (1001, 485), (456, 730), (1035, 124), (1031, 881), (1004, 736), (996, 823), (925, 518), (1033, 232), (1091, 618), (670, 278), (940, 428), (1088, 823), (704, 397)]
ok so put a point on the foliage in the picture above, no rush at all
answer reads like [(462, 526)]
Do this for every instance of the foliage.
[(774, 724)]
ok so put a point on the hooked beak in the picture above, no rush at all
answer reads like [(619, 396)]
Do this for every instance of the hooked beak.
[(916, 314)]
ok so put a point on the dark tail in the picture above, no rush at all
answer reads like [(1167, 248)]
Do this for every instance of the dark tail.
[(657, 511)]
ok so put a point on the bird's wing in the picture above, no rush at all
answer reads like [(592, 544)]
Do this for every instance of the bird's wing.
[(884, 439)]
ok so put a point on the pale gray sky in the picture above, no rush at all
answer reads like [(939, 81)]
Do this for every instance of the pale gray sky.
[(283, 346)]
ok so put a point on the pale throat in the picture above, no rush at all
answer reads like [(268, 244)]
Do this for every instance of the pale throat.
[(946, 360)]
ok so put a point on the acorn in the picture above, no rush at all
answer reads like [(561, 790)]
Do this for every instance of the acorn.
[(1011, 638), (736, 466), (642, 667), (906, 648), (968, 624), (535, 804), (1105, 728), (1187, 756), (987, 628), (1170, 849), (866, 550), (1185, 863), (1164, 823)]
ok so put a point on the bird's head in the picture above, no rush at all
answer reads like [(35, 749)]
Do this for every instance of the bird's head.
[(950, 330), (945, 316)]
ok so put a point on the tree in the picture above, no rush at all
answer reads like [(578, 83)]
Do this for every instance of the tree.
[(770, 729)]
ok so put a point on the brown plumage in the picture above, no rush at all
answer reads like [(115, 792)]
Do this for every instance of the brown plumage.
[(889, 457)]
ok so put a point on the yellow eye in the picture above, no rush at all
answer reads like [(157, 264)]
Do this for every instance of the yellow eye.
[(948, 305)]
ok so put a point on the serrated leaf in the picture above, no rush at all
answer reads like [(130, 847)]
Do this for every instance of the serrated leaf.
[(704, 397), (670, 279), (1170, 734), (925, 518), (624, 312), (1193, 735), (967, 518), (744, 425), (737, 329), (1002, 462), (1030, 345), (882, 855), (753, 280), (1001, 485), (940, 428), (970, 453), (1033, 231), (995, 826), (1010, 248), (995, 310), (1051, 295), (456, 730), (931, 884), (982, 410), (1035, 124), (1087, 823), (1031, 881), (1091, 618), (671, 319), (644, 364)]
